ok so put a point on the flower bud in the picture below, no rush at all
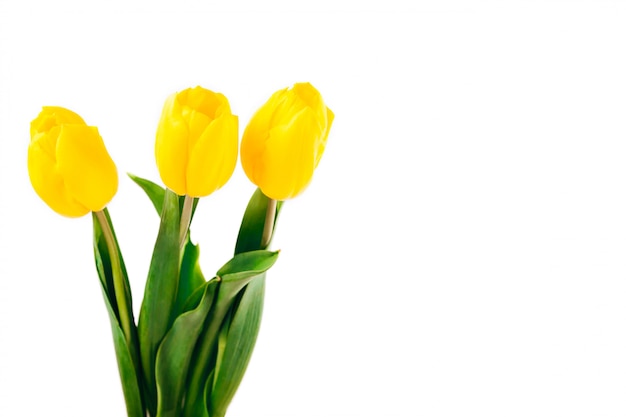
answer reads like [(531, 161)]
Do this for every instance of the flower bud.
[(196, 142), (68, 164), (285, 140)]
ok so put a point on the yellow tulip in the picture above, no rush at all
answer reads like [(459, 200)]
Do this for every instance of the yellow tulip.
[(68, 164), (196, 142), (284, 141)]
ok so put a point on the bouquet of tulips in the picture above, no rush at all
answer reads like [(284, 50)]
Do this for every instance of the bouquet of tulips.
[(188, 352)]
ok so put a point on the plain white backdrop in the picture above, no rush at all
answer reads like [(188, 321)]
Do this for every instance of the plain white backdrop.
[(460, 252)]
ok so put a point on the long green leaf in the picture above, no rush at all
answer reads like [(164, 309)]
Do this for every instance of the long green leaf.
[(175, 353), (103, 266), (234, 275), (126, 352), (191, 277), (155, 317), (246, 265), (239, 343), (128, 373), (247, 308), (155, 192)]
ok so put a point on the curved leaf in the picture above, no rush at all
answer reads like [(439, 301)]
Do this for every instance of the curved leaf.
[(191, 277), (240, 338), (234, 275), (175, 353), (247, 310), (126, 352), (155, 192), (247, 264), (155, 317), (128, 373)]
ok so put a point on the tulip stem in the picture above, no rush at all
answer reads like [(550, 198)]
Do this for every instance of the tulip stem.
[(119, 285), (185, 218), (268, 227)]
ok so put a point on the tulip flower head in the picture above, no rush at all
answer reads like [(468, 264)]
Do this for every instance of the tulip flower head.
[(284, 141), (196, 142), (68, 164)]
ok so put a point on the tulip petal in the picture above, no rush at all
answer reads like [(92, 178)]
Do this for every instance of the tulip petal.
[(321, 143), (287, 109), (204, 101), (49, 184), (50, 117), (270, 113), (171, 146), (199, 108), (252, 147), (197, 122), (256, 135), (213, 158), (310, 97), (290, 157), (83, 161)]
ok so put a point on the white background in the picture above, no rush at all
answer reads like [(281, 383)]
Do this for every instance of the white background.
[(460, 252)]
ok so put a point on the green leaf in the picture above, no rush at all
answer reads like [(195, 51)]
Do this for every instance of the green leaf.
[(248, 264), (156, 317), (191, 277), (103, 266), (251, 229), (128, 372), (196, 401), (221, 344), (206, 396), (155, 192), (234, 275), (175, 353), (128, 362), (247, 308), (194, 299), (239, 340)]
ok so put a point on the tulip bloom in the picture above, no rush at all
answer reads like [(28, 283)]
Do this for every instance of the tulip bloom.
[(284, 141), (196, 142), (68, 164)]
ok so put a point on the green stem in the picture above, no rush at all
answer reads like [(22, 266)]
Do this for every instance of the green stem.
[(185, 219), (119, 285), (268, 227)]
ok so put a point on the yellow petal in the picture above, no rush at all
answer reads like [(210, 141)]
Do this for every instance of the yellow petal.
[(196, 123), (213, 158), (172, 146), (49, 185), (50, 117), (199, 108), (88, 171), (311, 98), (252, 148), (290, 157), (203, 100), (255, 136), (287, 108), (321, 143)]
